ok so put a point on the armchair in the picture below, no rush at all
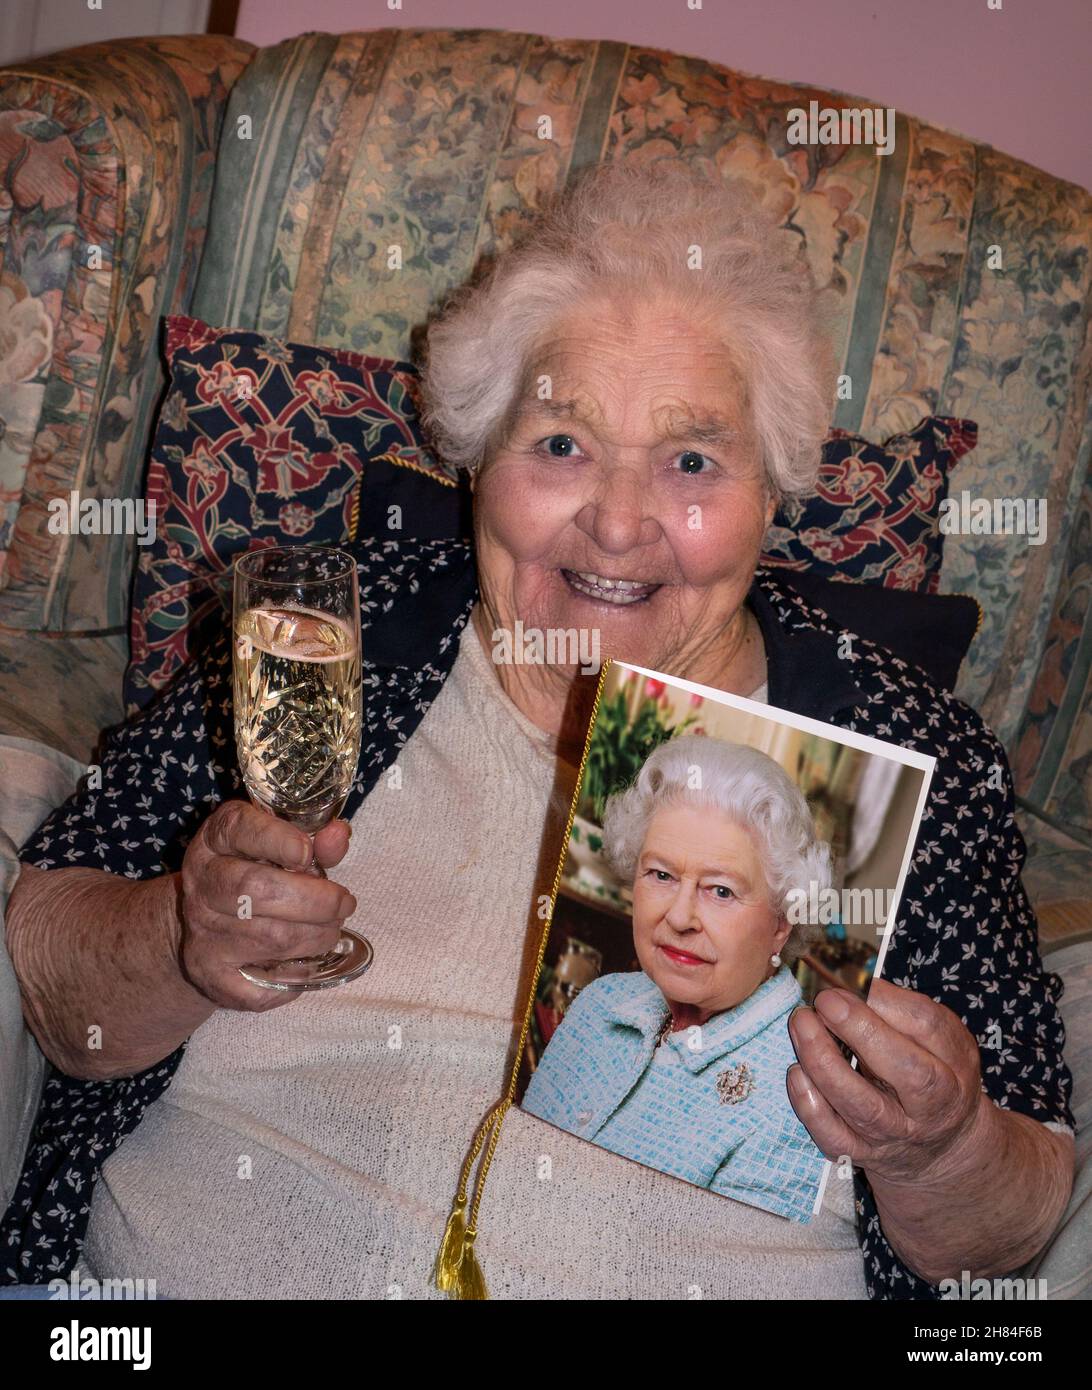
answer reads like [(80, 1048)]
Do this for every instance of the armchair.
[(264, 188)]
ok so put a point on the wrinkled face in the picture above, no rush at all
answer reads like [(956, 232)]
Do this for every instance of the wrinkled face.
[(703, 925), (633, 500)]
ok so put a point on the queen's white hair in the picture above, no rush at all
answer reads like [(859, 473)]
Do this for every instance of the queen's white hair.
[(629, 232), (746, 785)]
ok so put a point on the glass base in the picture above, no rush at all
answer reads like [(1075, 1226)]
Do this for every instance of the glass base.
[(350, 957)]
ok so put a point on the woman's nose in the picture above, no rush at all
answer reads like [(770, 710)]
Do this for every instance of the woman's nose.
[(616, 517), (681, 916)]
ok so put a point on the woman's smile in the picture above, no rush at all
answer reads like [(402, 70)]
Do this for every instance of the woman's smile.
[(603, 589)]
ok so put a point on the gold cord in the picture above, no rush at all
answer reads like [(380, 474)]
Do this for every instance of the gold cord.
[(457, 1270)]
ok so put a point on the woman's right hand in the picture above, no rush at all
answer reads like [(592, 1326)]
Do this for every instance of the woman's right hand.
[(246, 899)]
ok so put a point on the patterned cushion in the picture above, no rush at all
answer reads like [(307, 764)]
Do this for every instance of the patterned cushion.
[(875, 514), (260, 443)]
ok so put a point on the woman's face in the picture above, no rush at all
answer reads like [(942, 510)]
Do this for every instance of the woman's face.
[(703, 925), (641, 467)]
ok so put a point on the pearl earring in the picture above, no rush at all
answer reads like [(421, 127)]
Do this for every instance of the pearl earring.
[(775, 961)]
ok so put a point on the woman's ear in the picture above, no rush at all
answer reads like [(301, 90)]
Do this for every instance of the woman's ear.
[(783, 932)]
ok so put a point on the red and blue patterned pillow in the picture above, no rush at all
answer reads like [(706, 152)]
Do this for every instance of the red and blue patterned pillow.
[(261, 443), (875, 513)]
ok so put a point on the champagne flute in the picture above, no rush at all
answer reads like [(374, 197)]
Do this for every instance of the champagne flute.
[(297, 689)]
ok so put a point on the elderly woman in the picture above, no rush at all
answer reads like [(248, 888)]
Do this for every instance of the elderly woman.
[(682, 1064), (630, 412)]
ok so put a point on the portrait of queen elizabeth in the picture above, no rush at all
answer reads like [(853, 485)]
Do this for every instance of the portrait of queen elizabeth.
[(681, 1065)]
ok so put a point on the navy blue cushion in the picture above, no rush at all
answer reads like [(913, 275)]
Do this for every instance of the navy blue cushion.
[(933, 631)]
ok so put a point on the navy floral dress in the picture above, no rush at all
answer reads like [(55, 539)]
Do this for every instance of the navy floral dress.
[(966, 936)]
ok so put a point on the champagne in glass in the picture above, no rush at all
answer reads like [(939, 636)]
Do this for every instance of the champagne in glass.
[(297, 688)]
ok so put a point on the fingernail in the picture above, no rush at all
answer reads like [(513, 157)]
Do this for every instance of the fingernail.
[(832, 1005), (308, 854), (797, 1084), (799, 1026)]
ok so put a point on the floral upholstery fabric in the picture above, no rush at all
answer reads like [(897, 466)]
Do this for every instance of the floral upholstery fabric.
[(107, 155), (62, 691), (1052, 760), (1059, 867), (875, 512)]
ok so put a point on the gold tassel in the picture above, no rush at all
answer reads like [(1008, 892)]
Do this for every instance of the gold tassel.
[(449, 1256), (457, 1271), (470, 1281)]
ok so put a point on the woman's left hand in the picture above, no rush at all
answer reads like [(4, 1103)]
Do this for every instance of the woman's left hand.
[(914, 1111)]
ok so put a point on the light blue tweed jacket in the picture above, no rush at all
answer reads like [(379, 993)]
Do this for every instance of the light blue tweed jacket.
[(708, 1105)]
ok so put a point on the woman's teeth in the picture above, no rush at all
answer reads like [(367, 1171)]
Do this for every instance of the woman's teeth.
[(619, 591)]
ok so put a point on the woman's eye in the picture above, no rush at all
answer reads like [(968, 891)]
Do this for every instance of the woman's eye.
[(660, 875), (723, 892), (564, 439), (691, 462)]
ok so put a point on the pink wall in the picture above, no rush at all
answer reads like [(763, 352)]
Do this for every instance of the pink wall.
[(1018, 78)]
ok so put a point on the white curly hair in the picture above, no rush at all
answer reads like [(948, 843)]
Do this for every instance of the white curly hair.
[(626, 231), (743, 783)]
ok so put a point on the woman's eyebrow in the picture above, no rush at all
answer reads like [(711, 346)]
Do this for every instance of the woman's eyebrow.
[(657, 859), (706, 428), (566, 410), (733, 874), (709, 429)]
